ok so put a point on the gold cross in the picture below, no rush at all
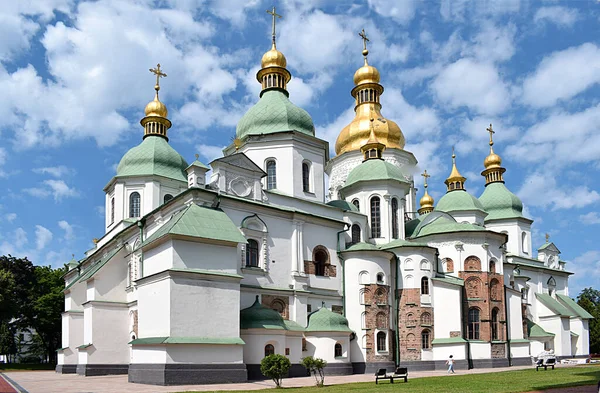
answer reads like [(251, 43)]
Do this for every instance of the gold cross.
[(425, 175), (274, 15), (197, 156), (547, 237), (156, 71), (365, 39), (492, 132)]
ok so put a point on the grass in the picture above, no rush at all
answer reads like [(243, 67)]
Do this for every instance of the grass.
[(26, 366), (499, 382)]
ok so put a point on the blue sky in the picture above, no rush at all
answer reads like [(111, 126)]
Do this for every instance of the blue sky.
[(74, 80)]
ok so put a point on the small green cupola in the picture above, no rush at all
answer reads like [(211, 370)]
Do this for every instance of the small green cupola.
[(258, 316), (325, 320)]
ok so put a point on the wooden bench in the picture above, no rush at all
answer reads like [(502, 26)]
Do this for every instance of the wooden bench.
[(545, 363), (400, 372)]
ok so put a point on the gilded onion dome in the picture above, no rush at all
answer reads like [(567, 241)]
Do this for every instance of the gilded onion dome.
[(155, 122), (366, 93), (426, 201), (493, 170), (455, 181)]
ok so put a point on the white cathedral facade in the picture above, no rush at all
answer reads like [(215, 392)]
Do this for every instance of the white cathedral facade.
[(197, 278)]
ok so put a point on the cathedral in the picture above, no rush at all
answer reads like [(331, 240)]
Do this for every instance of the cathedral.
[(204, 269)]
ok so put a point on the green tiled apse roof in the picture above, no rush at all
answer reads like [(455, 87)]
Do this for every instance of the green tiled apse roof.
[(274, 112), (93, 269), (500, 203), (201, 222), (459, 200), (534, 330), (325, 320), (580, 311), (375, 169), (443, 224), (342, 204), (258, 316), (554, 305), (154, 156)]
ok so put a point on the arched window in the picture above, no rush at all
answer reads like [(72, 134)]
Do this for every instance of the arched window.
[(355, 233), (305, 177), (363, 277), (381, 341), (134, 205), (337, 350), (408, 264), (279, 306), (356, 203), (426, 339), (472, 263), (410, 320), (495, 325), (375, 217), (524, 242), (424, 286), (425, 265), (493, 266), (271, 175), (380, 278), (167, 198), (447, 265), (269, 350), (495, 290), (551, 286), (252, 253), (426, 319), (380, 296), (321, 259), (394, 218), (473, 324), (112, 210)]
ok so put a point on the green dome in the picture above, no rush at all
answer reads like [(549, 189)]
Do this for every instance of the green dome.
[(458, 200), (438, 222), (375, 169), (274, 112), (342, 204), (500, 203), (154, 156), (258, 316), (324, 320)]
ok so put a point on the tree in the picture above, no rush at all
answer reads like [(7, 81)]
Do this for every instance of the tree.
[(589, 299), (315, 366), (7, 340), (275, 367), (7, 287)]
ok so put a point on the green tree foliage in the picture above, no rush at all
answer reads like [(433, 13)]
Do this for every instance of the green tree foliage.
[(275, 367), (7, 340), (315, 366), (589, 299), (7, 288)]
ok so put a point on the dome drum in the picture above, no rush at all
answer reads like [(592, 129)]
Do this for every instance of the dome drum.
[(155, 125), (493, 175), (273, 78)]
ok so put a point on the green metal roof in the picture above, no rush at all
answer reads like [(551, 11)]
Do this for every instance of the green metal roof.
[(274, 112), (570, 303), (154, 156), (555, 306), (451, 340), (375, 169), (258, 316), (187, 340), (534, 330), (325, 320), (93, 269), (293, 326), (200, 222), (401, 243), (198, 164), (449, 280), (410, 226), (362, 246), (342, 204), (444, 224), (458, 200), (500, 203)]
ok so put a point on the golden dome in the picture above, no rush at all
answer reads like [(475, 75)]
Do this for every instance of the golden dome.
[(455, 181), (492, 161), (273, 58), (426, 200), (366, 74), (156, 108), (493, 170)]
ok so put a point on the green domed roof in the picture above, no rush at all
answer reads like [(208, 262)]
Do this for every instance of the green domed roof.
[(154, 156), (258, 316), (375, 169), (342, 204), (500, 203), (324, 320), (458, 200), (438, 222), (274, 112)]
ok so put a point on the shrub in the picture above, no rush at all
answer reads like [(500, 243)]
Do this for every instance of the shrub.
[(315, 366), (275, 367)]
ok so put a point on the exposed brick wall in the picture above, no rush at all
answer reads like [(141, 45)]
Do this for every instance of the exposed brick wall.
[(498, 351), (310, 268), (338, 309), (413, 320), (378, 309), (281, 304)]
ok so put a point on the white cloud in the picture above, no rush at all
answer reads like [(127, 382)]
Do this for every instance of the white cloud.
[(330, 131), (57, 188), (10, 217), (493, 43), (560, 16), (460, 10), (401, 12), (56, 171), (68, 228), (475, 137), (2, 161), (43, 236), (563, 75), (587, 270), (472, 84), (209, 152), (541, 190), (20, 237), (590, 218)]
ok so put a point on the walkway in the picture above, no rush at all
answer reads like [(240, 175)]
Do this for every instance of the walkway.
[(6, 387)]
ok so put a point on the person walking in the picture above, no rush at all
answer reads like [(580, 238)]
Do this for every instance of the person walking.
[(450, 363)]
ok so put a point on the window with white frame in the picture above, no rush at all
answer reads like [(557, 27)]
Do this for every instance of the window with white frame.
[(271, 175), (134, 205), (306, 176)]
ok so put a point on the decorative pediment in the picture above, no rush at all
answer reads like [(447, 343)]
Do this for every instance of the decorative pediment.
[(254, 223), (240, 161), (237, 175), (549, 249)]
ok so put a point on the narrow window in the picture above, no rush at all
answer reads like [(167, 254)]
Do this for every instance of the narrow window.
[(375, 217), (269, 350), (338, 350), (252, 253), (357, 204), (380, 278), (473, 324), (167, 198), (495, 327), (112, 210), (355, 234), (424, 286), (361, 296), (134, 205), (426, 339), (394, 218), (305, 177), (381, 341), (271, 175), (321, 259), (524, 242)]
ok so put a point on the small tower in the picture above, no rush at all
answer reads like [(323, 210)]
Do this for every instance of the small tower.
[(455, 181), (196, 174), (427, 200), (373, 148), (155, 122), (493, 171)]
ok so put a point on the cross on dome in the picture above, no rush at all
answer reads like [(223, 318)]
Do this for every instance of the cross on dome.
[(275, 15), (159, 74), (492, 132), (547, 237), (365, 39), (425, 176)]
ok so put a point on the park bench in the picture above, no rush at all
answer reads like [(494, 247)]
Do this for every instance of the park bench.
[(400, 372), (548, 362)]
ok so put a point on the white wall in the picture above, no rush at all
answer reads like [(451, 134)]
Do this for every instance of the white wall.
[(322, 345), (448, 309)]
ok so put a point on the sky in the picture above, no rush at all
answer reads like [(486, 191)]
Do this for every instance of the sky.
[(74, 82)]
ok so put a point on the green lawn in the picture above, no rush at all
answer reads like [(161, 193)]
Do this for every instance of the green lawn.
[(500, 382), (26, 367)]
